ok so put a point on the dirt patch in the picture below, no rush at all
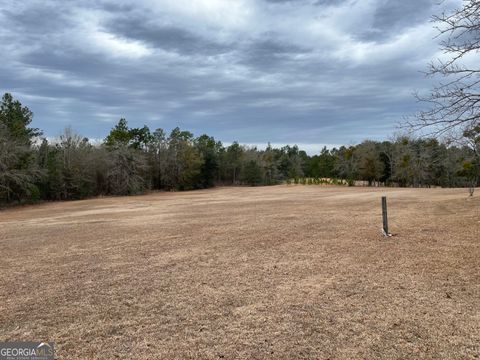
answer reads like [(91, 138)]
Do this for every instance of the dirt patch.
[(271, 272)]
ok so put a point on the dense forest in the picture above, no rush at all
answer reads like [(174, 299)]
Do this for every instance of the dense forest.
[(134, 160)]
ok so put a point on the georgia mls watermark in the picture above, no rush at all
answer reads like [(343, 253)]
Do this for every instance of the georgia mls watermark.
[(26, 350)]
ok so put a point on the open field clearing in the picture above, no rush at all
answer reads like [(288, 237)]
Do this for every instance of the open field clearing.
[(270, 272)]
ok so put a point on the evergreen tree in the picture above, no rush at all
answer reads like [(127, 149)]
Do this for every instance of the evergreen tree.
[(252, 173)]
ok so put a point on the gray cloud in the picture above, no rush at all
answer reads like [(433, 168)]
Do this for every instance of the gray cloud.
[(305, 71), (167, 37)]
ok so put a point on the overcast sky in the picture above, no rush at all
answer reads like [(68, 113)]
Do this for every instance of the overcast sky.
[(311, 72)]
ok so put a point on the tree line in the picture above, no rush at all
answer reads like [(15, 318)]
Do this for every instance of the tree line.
[(134, 160)]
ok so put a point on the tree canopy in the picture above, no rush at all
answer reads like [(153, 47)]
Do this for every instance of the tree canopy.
[(133, 160)]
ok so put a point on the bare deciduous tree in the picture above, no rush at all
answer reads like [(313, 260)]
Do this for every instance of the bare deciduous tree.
[(454, 104)]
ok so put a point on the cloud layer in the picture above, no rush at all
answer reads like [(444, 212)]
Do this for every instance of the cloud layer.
[(285, 71)]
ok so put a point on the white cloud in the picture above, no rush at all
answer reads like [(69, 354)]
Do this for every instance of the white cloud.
[(112, 45), (89, 35)]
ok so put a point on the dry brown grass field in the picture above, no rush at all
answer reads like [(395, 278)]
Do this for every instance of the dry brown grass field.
[(283, 272)]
